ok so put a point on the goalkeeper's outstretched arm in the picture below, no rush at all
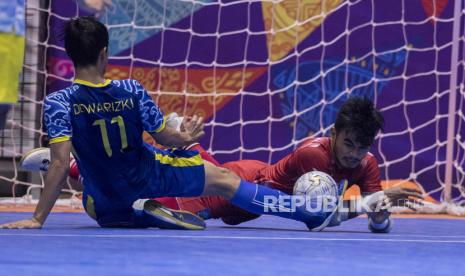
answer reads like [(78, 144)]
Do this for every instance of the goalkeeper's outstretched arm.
[(376, 206), (378, 218)]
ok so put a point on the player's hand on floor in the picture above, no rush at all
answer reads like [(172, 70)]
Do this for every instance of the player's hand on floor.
[(401, 196), (194, 127), (380, 216), (22, 224), (379, 208)]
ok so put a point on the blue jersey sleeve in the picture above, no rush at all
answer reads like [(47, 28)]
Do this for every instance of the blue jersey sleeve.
[(150, 113), (57, 117)]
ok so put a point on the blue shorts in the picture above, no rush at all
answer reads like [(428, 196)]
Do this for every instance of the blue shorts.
[(169, 173), (177, 173)]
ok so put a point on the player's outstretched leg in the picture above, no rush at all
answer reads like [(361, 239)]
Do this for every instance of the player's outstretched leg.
[(259, 199)]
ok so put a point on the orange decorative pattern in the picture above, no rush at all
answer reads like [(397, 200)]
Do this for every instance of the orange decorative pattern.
[(288, 22), (193, 91)]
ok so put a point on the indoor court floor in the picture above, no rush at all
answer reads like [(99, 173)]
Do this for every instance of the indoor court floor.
[(73, 244)]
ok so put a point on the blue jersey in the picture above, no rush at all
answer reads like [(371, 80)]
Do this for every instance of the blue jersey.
[(105, 123)]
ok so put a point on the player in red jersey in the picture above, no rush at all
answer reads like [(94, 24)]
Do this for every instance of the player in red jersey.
[(343, 155), (315, 154)]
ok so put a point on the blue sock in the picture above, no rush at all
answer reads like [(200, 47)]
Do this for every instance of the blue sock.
[(262, 200)]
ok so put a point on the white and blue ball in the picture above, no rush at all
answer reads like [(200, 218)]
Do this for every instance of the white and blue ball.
[(316, 183)]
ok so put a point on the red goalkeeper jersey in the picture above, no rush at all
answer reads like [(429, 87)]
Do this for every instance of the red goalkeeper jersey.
[(315, 154)]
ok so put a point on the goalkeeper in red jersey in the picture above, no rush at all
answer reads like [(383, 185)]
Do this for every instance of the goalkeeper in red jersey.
[(343, 155)]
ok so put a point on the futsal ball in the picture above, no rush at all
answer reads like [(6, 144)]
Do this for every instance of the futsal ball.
[(316, 183)]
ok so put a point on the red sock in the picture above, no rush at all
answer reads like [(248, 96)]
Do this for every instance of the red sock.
[(73, 169)]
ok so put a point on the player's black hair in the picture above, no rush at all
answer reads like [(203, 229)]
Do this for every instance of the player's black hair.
[(84, 38), (360, 116)]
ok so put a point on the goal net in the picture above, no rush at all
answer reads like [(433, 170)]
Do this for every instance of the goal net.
[(268, 74)]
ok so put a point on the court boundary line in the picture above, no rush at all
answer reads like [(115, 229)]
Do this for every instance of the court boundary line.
[(109, 236), (408, 235)]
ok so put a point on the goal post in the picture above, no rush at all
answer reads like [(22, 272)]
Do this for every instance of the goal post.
[(451, 132)]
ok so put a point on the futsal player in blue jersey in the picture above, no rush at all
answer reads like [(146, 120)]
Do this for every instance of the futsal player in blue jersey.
[(101, 121)]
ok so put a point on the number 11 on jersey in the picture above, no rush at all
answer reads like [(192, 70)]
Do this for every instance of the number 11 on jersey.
[(103, 130)]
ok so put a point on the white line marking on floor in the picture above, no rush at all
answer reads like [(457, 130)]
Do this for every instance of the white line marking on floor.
[(107, 236)]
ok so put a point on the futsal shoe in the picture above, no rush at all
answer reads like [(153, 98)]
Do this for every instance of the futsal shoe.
[(36, 160), (320, 223), (155, 214)]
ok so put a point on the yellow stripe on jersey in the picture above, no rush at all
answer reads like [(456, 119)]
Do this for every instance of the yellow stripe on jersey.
[(88, 83), (59, 139), (162, 127), (195, 160)]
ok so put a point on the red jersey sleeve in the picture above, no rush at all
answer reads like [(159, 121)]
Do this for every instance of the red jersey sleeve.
[(370, 179)]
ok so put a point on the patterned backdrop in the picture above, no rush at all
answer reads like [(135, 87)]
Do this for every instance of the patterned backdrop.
[(266, 75)]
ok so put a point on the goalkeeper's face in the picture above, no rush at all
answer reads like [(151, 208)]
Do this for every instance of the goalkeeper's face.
[(347, 150)]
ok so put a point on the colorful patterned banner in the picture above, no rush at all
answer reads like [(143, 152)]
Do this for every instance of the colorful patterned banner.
[(285, 68)]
